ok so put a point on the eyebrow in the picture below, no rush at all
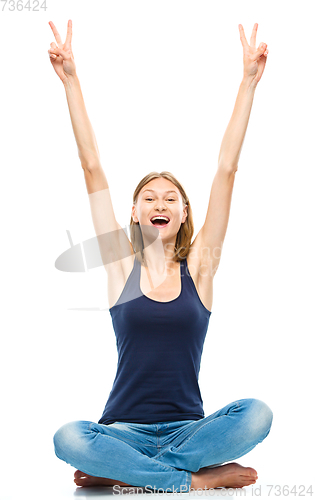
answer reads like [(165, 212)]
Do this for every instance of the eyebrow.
[(171, 191)]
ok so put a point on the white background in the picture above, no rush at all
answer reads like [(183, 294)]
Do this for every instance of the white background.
[(159, 79)]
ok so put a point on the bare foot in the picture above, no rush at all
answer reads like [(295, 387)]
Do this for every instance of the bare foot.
[(83, 479), (230, 475)]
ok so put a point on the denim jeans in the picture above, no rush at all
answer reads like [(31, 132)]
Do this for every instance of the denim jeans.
[(163, 455)]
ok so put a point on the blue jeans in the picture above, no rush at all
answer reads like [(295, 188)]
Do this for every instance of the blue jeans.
[(164, 454)]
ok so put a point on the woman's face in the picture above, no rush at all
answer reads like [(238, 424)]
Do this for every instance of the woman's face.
[(160, 197)]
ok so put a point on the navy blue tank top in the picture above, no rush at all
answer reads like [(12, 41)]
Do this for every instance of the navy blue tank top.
[(159, 348)]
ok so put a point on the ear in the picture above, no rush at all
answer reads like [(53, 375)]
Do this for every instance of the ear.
[(134, 213), (185, 214)]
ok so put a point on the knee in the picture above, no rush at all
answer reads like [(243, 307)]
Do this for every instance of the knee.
[(259, 419), (66, 439)]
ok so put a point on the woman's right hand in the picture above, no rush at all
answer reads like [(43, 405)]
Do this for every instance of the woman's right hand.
[(61, 56)]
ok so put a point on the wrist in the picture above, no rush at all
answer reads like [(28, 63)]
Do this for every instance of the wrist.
[(249, 83), (70, 80)]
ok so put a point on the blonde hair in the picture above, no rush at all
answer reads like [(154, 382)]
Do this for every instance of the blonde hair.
[(186, 231)]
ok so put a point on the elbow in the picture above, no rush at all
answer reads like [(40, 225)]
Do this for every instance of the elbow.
[(230, 168), (90, 165)]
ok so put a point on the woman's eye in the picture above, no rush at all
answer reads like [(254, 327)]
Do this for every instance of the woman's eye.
[(169, 199)]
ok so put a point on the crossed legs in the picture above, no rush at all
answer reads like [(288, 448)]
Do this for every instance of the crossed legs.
[(192, 460)]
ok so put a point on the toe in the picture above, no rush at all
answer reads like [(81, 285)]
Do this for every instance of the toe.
[(251, 472), (81, 482), (79, 473), (250, 481)]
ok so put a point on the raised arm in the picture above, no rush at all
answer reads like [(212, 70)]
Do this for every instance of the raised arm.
[(62, 60), (209, 241), (116, 245)]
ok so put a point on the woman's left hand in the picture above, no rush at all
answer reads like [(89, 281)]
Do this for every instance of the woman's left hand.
[(254, 59)]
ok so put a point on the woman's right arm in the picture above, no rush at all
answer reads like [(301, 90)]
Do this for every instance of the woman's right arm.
[(87, 146), (82, 128), (62, 60), (116, 245)]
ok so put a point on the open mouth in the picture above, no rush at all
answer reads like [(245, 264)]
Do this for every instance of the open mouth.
[(159, 221)]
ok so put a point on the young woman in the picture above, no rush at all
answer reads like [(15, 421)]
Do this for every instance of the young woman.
[(153, 432)]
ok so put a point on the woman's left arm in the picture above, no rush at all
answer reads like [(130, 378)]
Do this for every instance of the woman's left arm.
[(209, 240)]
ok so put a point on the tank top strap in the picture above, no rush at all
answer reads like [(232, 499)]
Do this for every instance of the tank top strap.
[(131, 289), (187, 281), (184, 269)]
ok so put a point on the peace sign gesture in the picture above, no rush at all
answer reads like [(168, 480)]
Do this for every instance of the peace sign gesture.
[(254, 59), (61, 56)]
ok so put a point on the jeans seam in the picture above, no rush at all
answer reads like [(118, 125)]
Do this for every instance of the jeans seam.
[(124, 439), (201, 427), (188, 480), (163, 453), (189, 438), (165, 466)]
